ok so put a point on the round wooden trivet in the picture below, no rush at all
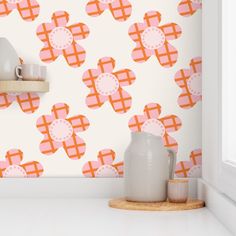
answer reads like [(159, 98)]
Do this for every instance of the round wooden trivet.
[(156, 206)]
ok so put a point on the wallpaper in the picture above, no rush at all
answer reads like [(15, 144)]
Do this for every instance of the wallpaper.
[(114, 67)]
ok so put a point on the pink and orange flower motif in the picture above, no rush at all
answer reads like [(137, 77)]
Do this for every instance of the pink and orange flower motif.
[(192, 168), (12, 167), (153, 40), (106, 85), (60, 131), (28, 102), (150, 122), (60, 39), (104, 167), (28, 9), (189, 7), (120, 9), (190, 81)]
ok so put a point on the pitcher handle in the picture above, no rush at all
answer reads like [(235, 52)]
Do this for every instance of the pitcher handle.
[(172, 165)]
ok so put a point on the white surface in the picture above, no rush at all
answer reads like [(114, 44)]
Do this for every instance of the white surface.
[(221, 206), (216, 172), (210, 86), (69, 187), (89, 217)]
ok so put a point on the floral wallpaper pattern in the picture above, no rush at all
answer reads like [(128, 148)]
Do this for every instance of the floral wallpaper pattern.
[(107, 60)]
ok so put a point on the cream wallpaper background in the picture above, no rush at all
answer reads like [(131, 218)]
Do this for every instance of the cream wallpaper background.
[(107, 38)]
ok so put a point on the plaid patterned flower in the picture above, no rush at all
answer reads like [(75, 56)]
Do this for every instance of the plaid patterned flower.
[(29, 102), (150, 122), (152, 39), (106, 85), (190, 81), (60, 131), (105, 166), (192, 168), (60, 39), (120, 9), (189, 7), (28, 9), (12, 166)]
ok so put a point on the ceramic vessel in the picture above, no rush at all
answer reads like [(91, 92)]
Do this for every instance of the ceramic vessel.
[(8, 60), (178, 190), (147, 168)]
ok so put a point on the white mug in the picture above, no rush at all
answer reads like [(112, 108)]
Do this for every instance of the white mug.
[(31, 72)]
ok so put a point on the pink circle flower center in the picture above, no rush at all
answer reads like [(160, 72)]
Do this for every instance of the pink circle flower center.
[(60, 38), (60, 130), (106, 171), (14, 1), (153, 38), (107, 84), (195, 172), (106, 1), (14, 171), (195, 84), (154, 126)]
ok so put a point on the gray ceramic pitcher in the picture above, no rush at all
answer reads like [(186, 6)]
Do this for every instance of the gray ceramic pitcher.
[(147, 168)]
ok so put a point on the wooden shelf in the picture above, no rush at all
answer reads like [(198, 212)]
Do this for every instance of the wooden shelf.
[(156, 206), (23, 86)]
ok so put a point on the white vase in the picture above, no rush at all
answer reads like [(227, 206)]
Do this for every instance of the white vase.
[(8, 60), (147, 168)]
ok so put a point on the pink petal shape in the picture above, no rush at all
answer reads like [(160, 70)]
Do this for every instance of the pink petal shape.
[(43, 123), (75, 55), (74, 147), (28, 9), (95, 8), (95, 100), (167, 55), (60, 18), (121, 101), (106, 64), (170, 142), (33, 169), (6, 100), (79, 31), (89, 78), (89, 169), (120, 9), (126, 77), (141, 54), (196, 157), (6, 8), (106, 157), (196, 65), (188, 8), (136, 123), (3, 166), (119, 167), (152, 18), (182, 168), (79, 123), (29, 102), (44, 30), (172, 123), (49, 54), (14, 157), (49, 146), (60, 111), (171, 31), (136, 30), (152, 111)]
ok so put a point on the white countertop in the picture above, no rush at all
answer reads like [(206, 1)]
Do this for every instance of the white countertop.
[(93, 217)]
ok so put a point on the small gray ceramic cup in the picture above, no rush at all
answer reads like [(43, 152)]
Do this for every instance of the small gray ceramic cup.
[(178, 190), (31, 72)]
